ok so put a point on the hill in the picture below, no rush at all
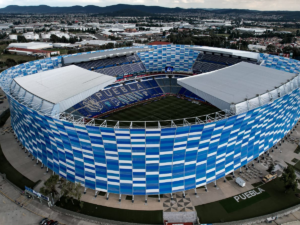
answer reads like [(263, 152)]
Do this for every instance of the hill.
[(91, 9), (139, 10), (129, 12)]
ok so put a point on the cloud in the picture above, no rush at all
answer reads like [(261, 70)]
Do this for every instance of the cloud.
[(241, 4)]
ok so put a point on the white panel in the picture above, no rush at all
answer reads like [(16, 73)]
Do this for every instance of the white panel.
[(241, 107), (46, 107), (36, 101), (253, 103), (28, 97), (264, 99), (274, 94)]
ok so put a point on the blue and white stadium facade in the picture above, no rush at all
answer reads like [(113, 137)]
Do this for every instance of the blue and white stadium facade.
[(148, 160)]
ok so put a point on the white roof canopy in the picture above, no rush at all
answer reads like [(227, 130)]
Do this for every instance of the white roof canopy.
[(244, 54), (236, 84), (63, 87)]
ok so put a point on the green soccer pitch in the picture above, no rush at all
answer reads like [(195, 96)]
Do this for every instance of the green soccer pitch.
[(168, 108)]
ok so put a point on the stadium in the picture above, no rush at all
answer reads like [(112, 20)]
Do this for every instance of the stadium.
[(152, 120)]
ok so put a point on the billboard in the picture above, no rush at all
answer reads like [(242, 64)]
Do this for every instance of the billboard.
[(37, 194), (169, 69)]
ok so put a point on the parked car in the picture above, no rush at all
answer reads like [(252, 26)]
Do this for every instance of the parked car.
[(50, 222), (269, 177), (54, 223), (44, 221)]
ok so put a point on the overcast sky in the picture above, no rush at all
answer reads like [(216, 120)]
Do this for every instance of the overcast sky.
[(240, 4)]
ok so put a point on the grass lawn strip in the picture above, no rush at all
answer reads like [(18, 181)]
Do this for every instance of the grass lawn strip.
[(257, 184), (14, 175), (130, 216), (297, 150), (229, 178), (214, 212)]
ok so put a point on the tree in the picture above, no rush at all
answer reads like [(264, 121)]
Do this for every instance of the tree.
[(271, 48), (50, 186), (21, 38), (10, 62), (271, 168), (71, 190), (289, 179)]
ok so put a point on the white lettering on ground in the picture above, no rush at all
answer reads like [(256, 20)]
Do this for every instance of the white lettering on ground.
[(237, 198), (248, 194)]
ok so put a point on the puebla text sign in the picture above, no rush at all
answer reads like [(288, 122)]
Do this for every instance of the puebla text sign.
[(244, 200), (248, 194)]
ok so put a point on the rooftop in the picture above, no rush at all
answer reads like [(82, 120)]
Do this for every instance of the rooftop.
[(236, 83), (65, 86)]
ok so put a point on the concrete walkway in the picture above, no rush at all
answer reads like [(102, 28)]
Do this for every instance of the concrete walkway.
[(32, 211)]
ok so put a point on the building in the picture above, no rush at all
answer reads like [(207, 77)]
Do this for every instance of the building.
[(257, 31), (31, 45), (257, 47), (95, 42), (31, 36), (159, 43), (148, 160), (37, 52), (13, 37)]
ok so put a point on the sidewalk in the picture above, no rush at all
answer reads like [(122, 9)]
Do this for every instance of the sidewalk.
[(32, 210)]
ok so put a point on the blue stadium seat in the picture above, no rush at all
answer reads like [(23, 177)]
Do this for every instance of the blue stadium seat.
[(116, 102), (160, 82), (138, 95), (145, 94), (135, 86), (116, 91), (153, 83), (182, 91), (123, 99), (127, 69), (152, 92), (131, 98), (166, 89), (100, 95), (108, 105), (158, 90), (146, 84)]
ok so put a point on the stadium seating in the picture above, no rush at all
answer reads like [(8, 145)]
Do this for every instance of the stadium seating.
[(209, 62), (118, 96), (118, 66)]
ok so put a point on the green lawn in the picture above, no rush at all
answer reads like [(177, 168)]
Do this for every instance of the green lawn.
[(297, 150), (215, 212), (12, 174), (165, 109), (257, 184), (17, 58), (297, 166), (229, 178), (123, 215)]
